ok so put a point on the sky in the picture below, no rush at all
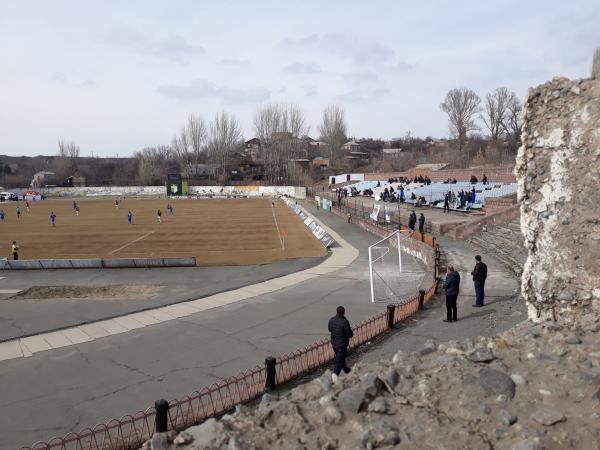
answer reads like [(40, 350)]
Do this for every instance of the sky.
[(118, 76)]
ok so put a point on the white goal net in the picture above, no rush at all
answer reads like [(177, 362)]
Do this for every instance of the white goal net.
[(385, 267)]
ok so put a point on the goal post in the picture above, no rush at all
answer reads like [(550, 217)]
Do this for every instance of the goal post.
[(385, 269)]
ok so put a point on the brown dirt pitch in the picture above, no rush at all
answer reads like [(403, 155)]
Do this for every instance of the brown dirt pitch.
[(216, 231)]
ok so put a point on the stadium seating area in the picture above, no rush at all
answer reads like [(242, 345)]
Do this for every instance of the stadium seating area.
[(433, 194)]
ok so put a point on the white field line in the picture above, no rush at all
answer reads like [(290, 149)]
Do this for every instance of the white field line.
[(278, 231), (132, 242)]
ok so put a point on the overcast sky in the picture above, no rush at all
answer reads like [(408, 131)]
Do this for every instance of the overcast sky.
[(117, 76)]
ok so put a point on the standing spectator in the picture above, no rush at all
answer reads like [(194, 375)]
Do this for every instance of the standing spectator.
[(15, 250), (422, 223), (412, 221), (340, 330), (479, 275), (452, 287), (447, 203), (473, 195), (484, 179)]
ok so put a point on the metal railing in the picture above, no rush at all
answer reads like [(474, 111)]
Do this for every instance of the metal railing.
[(131, 431)]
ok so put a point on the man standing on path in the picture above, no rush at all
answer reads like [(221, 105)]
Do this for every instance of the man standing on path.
[(15, 250), (340, 330), (452, 286), (422, 223), (479, 275)]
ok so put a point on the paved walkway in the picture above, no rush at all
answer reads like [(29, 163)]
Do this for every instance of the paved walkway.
[(68, 388)]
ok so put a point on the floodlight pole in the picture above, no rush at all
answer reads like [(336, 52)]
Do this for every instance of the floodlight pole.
[(399, 253), (371, 276)]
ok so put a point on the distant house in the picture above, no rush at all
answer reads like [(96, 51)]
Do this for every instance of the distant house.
[(357, 155), (391, 151), (252, 143), (204, 170), (321, 162), (352, 146), (43, 179)]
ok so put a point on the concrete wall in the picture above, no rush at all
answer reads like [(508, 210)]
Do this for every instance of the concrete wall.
[(157, 191), (558, 168)]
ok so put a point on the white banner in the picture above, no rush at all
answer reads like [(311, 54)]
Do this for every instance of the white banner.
[(375, 214)]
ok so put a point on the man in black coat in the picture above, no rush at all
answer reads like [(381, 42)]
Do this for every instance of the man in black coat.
[(340, 330), (479, 275), (412, 221), (452, 286), (422, 223)]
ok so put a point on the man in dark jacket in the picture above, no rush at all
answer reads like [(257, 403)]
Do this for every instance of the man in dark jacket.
[(452, 286), (412, 221), (340, 330), (479, 275), (422, 223)]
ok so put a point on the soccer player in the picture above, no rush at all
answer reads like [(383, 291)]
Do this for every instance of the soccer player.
[(77, 210), (2, 213), (159, 216), (18, 212), (129, 217), (27, 206), (53, 218), (170, 209), (15, 250), (117, 203)]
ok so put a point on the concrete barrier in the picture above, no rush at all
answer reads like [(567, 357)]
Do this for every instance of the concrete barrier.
[(86, 263), (186, 261), (25, 264), (96, 263), (56, 263), (149, 262), (120, 263)]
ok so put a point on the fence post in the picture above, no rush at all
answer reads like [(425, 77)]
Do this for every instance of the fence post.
[(421, 298), (161, 418), (390, 315), (270, 368)]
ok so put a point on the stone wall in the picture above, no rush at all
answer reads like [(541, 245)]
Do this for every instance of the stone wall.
[(558, 168)]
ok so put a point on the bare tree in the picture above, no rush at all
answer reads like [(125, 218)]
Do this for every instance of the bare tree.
[(224, 139), (68, 149), (68, 152), (154, 163), (189, 144), (495, 111), (279, 127), (513, 122), (461, 105), (333, 130)]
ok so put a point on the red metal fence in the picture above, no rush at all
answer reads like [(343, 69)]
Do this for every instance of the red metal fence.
[(131, 431)]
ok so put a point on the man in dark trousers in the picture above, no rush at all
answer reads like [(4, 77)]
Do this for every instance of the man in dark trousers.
[(422, 223), (412, 221), (340, 330), (452, 286), (479, 275)]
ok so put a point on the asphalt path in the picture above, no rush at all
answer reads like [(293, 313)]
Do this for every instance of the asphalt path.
[(67, 389)]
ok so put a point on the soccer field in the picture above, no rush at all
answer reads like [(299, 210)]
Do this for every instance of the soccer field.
[(216, 231)]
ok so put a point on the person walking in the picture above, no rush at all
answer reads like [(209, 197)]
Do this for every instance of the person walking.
[(452, 287), (479, 275), (422, 223), (412, 221), (340, 330), (15, 250)]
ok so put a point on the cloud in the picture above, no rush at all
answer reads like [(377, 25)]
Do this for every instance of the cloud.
[(402, 66), (310, 90), (58, 77), (343, 46), (88, 84), (302, 69), (357, 77), (361, 96), (206, 89), (232, 62), (173, 47)]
